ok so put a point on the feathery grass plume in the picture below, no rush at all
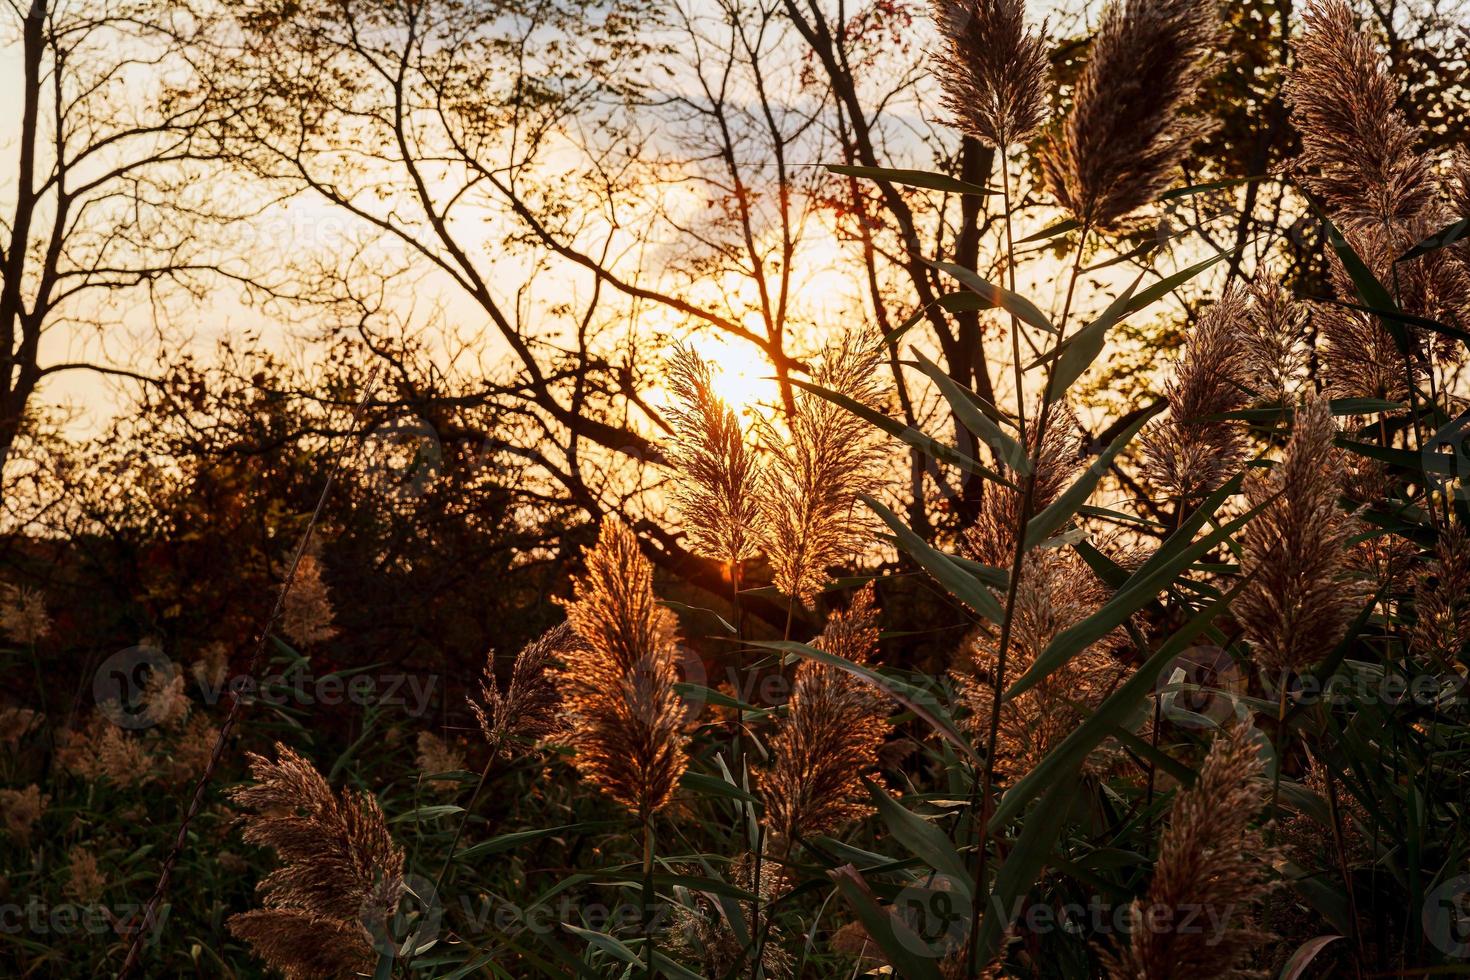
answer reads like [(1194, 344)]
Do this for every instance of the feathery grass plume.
[(994, 71), (1457, 191), (1303, 593), (819, 469), (1359, 154), (1274, 353), (830, 736), (307, 617), (991, 540), (165, 702), (719, 476), (531, 705), (342, 875), (623, 717), (1210, 858), (188, 754), (84, 882), (1056, 591), (436, 756), (17, 723), (1188, 452), (1442, 599), (704, 932), (212, 668), (23, 615), (20, 810), (1360, 357), (1128, 130), (1302, 835), (102, 750)]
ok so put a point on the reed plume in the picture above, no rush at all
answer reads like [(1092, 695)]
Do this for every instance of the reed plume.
[(1442, 599), (434, 757), (1056, 591), (1302, 592), (103, 750), (705, 932), (1211, 868), (1360, 357), (830, 736), (307, 616), (719, 478), (1190, 452), (1274, 354), (1457, 190), (1359, 154), (993, 69), (819, 469), (17, 723), (85, 882), (991, 540), (1129, 130), (530, 706), (21, 810), (623, 717), (341, 878)]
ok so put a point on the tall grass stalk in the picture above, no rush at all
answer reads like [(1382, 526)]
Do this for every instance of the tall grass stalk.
[(1028, 494)]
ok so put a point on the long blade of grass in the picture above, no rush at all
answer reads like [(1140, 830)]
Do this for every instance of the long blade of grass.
[(1021, 307), (924, 443), (1112, 713), (1061, 510), (925, 179), (921, 838), (964, 586), (890, 932), (965, 405), (1176, 554)]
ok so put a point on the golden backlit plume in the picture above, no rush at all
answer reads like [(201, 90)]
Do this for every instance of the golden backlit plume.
[(341, 877), (830, 736), (819, 468), (1128, 131), (718, 479), (624, 718)]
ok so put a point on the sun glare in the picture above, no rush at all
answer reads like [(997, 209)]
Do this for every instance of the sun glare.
[(743, 375)]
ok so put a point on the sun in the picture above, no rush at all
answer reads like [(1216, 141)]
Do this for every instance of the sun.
[(742, 373)]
